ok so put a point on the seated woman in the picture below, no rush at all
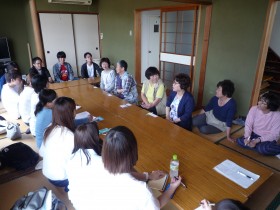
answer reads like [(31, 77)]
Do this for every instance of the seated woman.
[(38, 69), (153, 92), (108, 75), (86, 163), (58, 142), (89, 68), (125, 85), (217, 116), (62, 71), (262, 126), (91, 179), (44, 112), (180, 103)]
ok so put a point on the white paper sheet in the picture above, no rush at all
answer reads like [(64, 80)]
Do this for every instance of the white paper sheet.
[(237, 174)]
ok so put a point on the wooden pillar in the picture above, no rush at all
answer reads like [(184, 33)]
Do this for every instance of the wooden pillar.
[(36, 30)]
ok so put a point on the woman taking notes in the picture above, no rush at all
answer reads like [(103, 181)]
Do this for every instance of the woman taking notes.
[(262, 126), (153, 92), (180, 103), (109, 182)]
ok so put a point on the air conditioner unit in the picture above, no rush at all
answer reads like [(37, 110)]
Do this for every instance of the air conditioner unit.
[(78, 2)]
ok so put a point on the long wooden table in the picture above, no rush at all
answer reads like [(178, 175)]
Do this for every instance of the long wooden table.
[(92, 81), (158, 139)]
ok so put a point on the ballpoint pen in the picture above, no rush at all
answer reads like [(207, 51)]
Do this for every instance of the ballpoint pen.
[(181, 182), (248, 141), (245, 175)]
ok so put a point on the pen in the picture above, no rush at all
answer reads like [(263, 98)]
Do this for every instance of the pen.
[(242, 174), (181, 182), (248, 141)]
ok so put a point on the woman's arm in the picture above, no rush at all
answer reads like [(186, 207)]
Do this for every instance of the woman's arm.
[(111, 81), (188, 108), (166, 195)]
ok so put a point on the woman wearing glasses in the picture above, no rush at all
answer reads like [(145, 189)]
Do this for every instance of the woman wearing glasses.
[(180, 103), (262, 126)]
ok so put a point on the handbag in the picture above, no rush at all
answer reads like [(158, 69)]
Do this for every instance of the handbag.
[(19, 156), (13, 131), (42, 199)]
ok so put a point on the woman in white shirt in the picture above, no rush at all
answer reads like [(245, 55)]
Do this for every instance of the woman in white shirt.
[(38, 82), (85, 169), (25, 101), (58, 142), (108, 75)]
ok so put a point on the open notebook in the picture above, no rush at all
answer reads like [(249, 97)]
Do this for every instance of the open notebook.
[(236, 173), (158, 184)]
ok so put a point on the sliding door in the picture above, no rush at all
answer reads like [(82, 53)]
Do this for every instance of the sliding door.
[(86, 36), (57, 34), (177, 50)]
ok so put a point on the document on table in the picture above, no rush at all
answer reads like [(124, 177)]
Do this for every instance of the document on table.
[(236, 173), (82, 115)]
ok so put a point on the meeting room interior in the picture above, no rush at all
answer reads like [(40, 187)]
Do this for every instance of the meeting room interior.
[(189, 82)]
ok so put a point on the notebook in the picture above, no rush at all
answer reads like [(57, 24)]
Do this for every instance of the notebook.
[(158, 184), (236, 173)]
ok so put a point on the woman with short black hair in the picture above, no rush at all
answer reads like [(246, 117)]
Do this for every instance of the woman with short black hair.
[(107, 81), (180, 103), (37, 68), (153, 92), (217, 116), (262, 126)]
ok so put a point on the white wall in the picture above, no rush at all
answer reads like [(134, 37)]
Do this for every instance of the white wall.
[(275, 36)]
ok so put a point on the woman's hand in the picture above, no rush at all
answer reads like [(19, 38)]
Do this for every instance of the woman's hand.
[(231, 139), (254, 142), (177, 120), (206, 204), (155, 175), (175, 182)]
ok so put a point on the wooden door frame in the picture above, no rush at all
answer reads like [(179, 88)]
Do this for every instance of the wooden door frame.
[(270, 16), (137, 43)]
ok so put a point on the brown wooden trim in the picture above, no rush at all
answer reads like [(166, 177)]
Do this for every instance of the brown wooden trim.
[(36, 30), (192, 2), (169, 8), (137, 44), (193, 49), (196, 48), (180, 8), (270, 16), (68, 12), (205, 45)]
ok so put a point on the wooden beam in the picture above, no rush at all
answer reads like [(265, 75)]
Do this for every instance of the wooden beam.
[(137, 44), (201, 2), (205, 45), (270, 16), (36, 30)]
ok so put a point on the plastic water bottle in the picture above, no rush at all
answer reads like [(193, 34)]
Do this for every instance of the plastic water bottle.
[(174, 166)]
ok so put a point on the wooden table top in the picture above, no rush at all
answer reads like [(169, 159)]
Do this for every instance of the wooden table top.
[(158, 139), (73, 83)]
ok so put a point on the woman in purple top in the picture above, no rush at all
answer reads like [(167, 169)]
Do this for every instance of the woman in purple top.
[(217, 116), (262, 126)]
